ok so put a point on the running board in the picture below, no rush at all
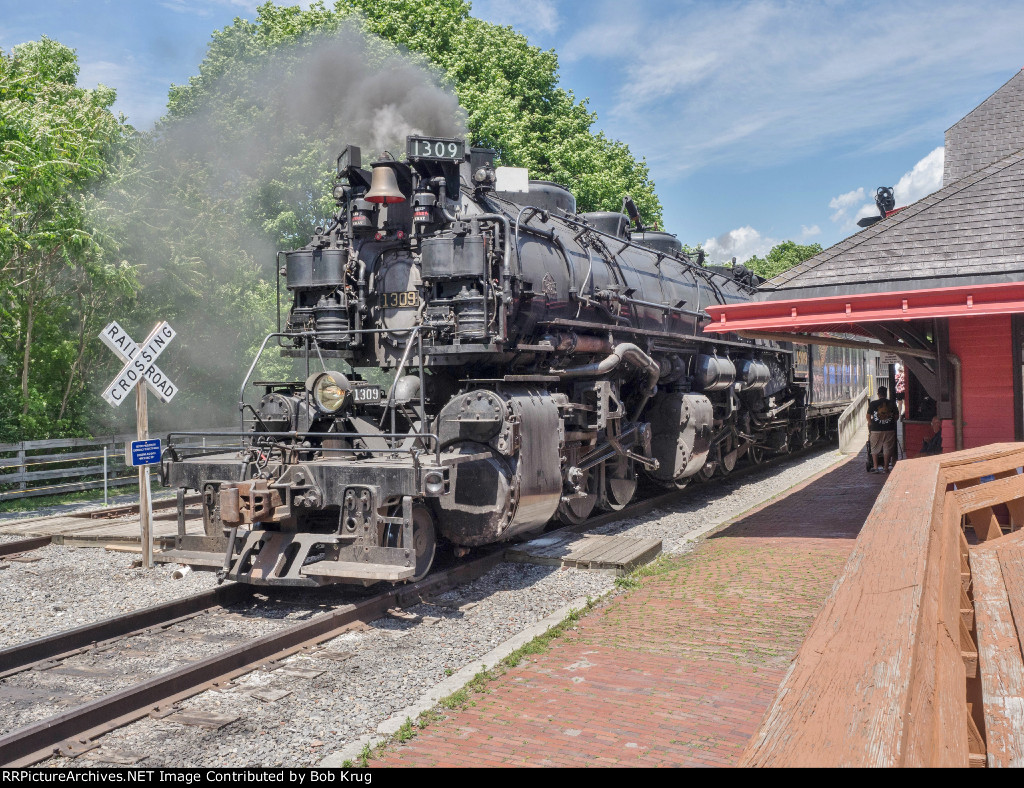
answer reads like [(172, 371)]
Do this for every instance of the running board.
[(356, 570)]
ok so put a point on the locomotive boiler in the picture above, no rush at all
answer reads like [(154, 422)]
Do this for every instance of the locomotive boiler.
[(478, 358)]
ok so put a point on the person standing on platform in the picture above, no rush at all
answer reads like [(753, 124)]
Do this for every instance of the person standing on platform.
[(882, 416)]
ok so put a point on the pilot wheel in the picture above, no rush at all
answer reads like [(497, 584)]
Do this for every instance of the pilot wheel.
[(424, 540)]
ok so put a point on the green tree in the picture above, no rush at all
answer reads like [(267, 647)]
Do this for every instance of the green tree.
[(57, 271), (781, 258), (508, 88)]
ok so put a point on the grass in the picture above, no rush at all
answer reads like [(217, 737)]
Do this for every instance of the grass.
[(661, 565)]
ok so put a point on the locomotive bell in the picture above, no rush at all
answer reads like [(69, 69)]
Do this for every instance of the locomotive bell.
[(384, 186)]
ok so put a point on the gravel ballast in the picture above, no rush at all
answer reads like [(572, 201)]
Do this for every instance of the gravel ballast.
[(357, 681)]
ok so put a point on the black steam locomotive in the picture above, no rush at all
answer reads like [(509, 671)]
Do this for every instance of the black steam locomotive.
[(479, 359)]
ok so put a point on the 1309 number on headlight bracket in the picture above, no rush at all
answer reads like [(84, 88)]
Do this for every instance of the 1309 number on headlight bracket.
[(362, 394)]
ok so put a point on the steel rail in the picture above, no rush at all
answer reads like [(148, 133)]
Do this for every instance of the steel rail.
[(63, 644), (37, 741), (23, 545)]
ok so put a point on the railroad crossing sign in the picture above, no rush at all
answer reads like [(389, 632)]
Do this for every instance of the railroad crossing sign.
[(140, 368), (139, 362)]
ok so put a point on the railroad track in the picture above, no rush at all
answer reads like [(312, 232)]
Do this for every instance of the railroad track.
[(23, 546), (76, 731)]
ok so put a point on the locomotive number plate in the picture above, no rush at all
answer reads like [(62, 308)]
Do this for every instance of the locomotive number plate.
[(436, 148), (367, 394), (398, 300)]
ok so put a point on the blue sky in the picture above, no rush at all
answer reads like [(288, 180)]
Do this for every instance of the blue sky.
[(761, 121)]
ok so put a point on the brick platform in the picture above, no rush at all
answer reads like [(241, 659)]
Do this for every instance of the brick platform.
[(680, 671)]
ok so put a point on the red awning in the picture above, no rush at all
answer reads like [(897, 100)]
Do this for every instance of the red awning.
[(843, 313)]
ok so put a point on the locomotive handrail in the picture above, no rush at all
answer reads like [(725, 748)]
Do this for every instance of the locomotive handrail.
[(252, 368), (294, 435), (416, 330)]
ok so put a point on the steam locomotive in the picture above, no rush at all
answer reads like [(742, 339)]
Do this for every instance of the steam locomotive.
[(479, 359)]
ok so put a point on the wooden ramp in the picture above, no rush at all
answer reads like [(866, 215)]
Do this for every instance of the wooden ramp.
[(614, 555), (85, 530)]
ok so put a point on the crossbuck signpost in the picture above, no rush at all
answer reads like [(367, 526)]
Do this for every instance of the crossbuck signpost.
[(140, 372)]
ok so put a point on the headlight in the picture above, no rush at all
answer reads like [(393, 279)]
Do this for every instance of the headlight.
[(329, 390)]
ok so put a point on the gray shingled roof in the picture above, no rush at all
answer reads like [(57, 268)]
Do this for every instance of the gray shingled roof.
[(969, 232), (992, 131)]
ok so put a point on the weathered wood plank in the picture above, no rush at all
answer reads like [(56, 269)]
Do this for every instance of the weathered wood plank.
[(71, 487), (989, 494), (1016, 509), (985, 524), (1010, 563), (937, 724), (1016, 539), (590, 547), (999, 662), (957, 472)]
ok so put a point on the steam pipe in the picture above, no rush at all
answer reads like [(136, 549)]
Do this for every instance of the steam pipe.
[(958, 404), (506, 270), (360, 301), (574, 343), (277, 278), (632, 355)]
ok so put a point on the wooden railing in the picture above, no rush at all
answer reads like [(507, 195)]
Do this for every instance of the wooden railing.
[(889, 672), (853, 424), (46, 467)]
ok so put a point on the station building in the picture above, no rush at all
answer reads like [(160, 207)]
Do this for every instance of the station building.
[(939, 284)]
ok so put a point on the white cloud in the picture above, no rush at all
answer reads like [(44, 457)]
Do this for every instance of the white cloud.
[(921, 180), (529, 16), (761, 82), (741, 243), (866, 210), (844, 202), (809, 232), (925, 178)]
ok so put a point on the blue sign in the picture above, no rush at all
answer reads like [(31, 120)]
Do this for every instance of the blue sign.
[(142, 452)]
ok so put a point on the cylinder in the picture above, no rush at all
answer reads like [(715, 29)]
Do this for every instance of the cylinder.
[(315, 268), (454, 257), (610, 222), (666, 243), (713, 373), (754, 375), (546, 195)]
